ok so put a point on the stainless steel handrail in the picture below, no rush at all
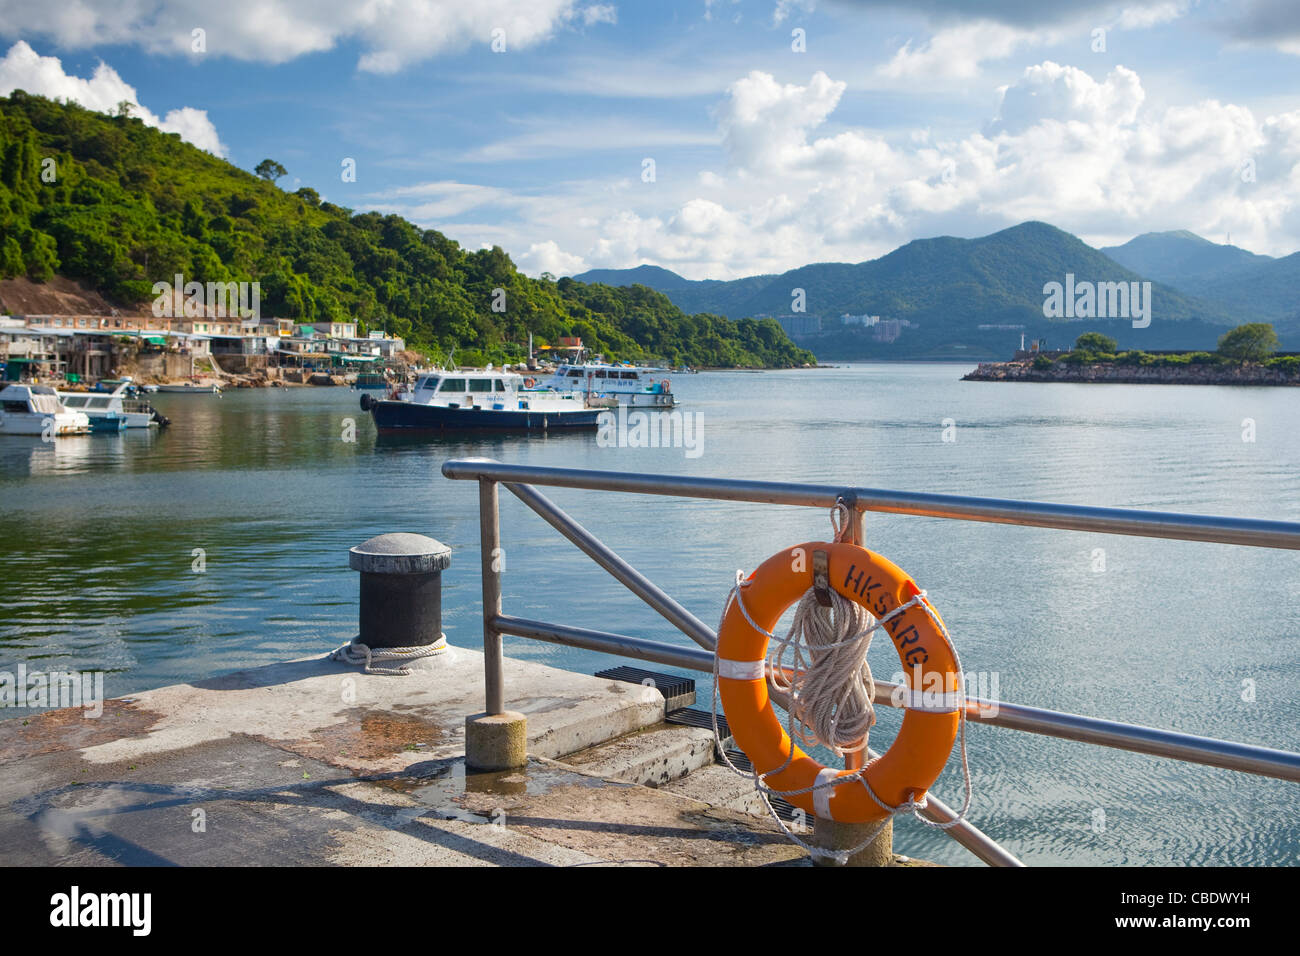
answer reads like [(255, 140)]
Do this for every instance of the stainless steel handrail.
[(1252, 532), (517, 478)]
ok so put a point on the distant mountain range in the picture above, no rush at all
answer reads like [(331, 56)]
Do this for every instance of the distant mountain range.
[(948, 288)]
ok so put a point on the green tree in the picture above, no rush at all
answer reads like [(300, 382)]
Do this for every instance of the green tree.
[(270, 170), (1252, 342), (1095, 342)]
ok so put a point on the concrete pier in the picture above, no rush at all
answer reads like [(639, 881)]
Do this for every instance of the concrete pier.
[(311, 762)]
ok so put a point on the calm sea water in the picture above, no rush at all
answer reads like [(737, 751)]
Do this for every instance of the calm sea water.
[(99, 532)]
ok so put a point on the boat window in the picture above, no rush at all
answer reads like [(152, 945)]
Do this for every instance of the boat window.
[(631, 375), (75, 401), (480, 384), (575, 373), (453, 385), (430, 383), (15, 406), (600, 373), (499, 385)]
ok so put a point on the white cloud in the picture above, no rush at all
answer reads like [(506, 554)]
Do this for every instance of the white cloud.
[(600, 13), (1141, 18), (764, 124), (784, 8), (549, 257), (23, 69), (393, 33), (957, 52)]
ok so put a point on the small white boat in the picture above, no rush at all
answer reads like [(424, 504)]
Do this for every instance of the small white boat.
[(631, 385), (112, 404), (36, 410), (191, 389)]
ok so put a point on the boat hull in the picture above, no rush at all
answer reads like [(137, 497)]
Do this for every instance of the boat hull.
[(27, 423), (393, 416)]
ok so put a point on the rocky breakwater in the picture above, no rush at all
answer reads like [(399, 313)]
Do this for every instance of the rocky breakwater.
[(1248, 373)]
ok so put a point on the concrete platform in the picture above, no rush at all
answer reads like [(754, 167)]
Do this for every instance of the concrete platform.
[(311, 762)]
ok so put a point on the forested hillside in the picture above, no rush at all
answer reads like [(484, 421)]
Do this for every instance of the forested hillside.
[(120, 205)]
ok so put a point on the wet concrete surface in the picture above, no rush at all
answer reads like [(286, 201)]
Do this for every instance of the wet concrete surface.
[(313, 763)]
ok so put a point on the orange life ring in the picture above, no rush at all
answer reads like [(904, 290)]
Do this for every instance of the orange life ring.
[(911, 766), (529, 382)]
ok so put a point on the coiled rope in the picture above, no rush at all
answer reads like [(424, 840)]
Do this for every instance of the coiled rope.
[(830, 693), (354, 652)]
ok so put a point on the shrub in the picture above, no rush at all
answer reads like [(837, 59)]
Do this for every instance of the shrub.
[(1042, 362), (1252, 342), (1095, 342)]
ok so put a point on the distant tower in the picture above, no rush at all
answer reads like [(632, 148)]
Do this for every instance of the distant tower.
[(1022, 341)]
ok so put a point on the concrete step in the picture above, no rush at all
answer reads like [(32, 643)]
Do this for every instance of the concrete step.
[(651, 757), (719, 786)]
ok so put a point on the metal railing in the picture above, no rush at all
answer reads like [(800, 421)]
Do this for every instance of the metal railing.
[(519, 479)]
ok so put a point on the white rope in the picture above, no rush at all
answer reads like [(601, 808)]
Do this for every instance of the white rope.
[(354, 652), (830, 696), (831, 689)]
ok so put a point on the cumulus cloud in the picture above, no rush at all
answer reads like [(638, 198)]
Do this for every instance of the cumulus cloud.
[(24, 69), (549, 257), (392, 33), (1089, 154)]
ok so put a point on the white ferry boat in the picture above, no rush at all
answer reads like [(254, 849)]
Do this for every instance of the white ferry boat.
[(101, 405), (485, 399), (32, 409), (631, 385)]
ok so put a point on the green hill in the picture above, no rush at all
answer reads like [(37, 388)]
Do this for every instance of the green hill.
[(119, 205), (949, 287), (1182, 259)]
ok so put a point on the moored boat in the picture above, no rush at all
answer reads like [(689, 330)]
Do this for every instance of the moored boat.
[(374, 381), (484, 399), (191, 389), (135, 413), (36, 410), (632, 385)]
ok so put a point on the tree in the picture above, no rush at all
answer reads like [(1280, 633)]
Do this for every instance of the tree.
[(270, 170), (1252, 342), (124, 108), (1095, 342)]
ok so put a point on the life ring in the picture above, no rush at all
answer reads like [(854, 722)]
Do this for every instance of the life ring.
[(529, 382), (911, 766)]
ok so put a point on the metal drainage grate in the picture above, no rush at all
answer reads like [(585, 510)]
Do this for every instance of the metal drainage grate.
[(784, 809), (678, 691), (692, 717)]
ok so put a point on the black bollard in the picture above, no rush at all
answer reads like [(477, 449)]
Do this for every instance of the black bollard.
[(401, 589)]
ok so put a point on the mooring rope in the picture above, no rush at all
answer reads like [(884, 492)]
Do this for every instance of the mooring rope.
[(354, 652), (830, 693)]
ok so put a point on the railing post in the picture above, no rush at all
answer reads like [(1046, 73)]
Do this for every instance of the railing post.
[(490, 537), (498, 738)]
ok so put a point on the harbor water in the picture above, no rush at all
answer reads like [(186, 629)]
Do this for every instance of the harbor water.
[(221, 542)]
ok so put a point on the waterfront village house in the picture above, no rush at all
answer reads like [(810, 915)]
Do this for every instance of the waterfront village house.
[(50, 345)]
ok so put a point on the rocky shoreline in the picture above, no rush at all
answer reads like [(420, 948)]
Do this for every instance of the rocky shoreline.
[(1248, 373)]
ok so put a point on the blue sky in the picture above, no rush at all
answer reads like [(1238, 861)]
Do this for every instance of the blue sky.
[(896, 121)]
